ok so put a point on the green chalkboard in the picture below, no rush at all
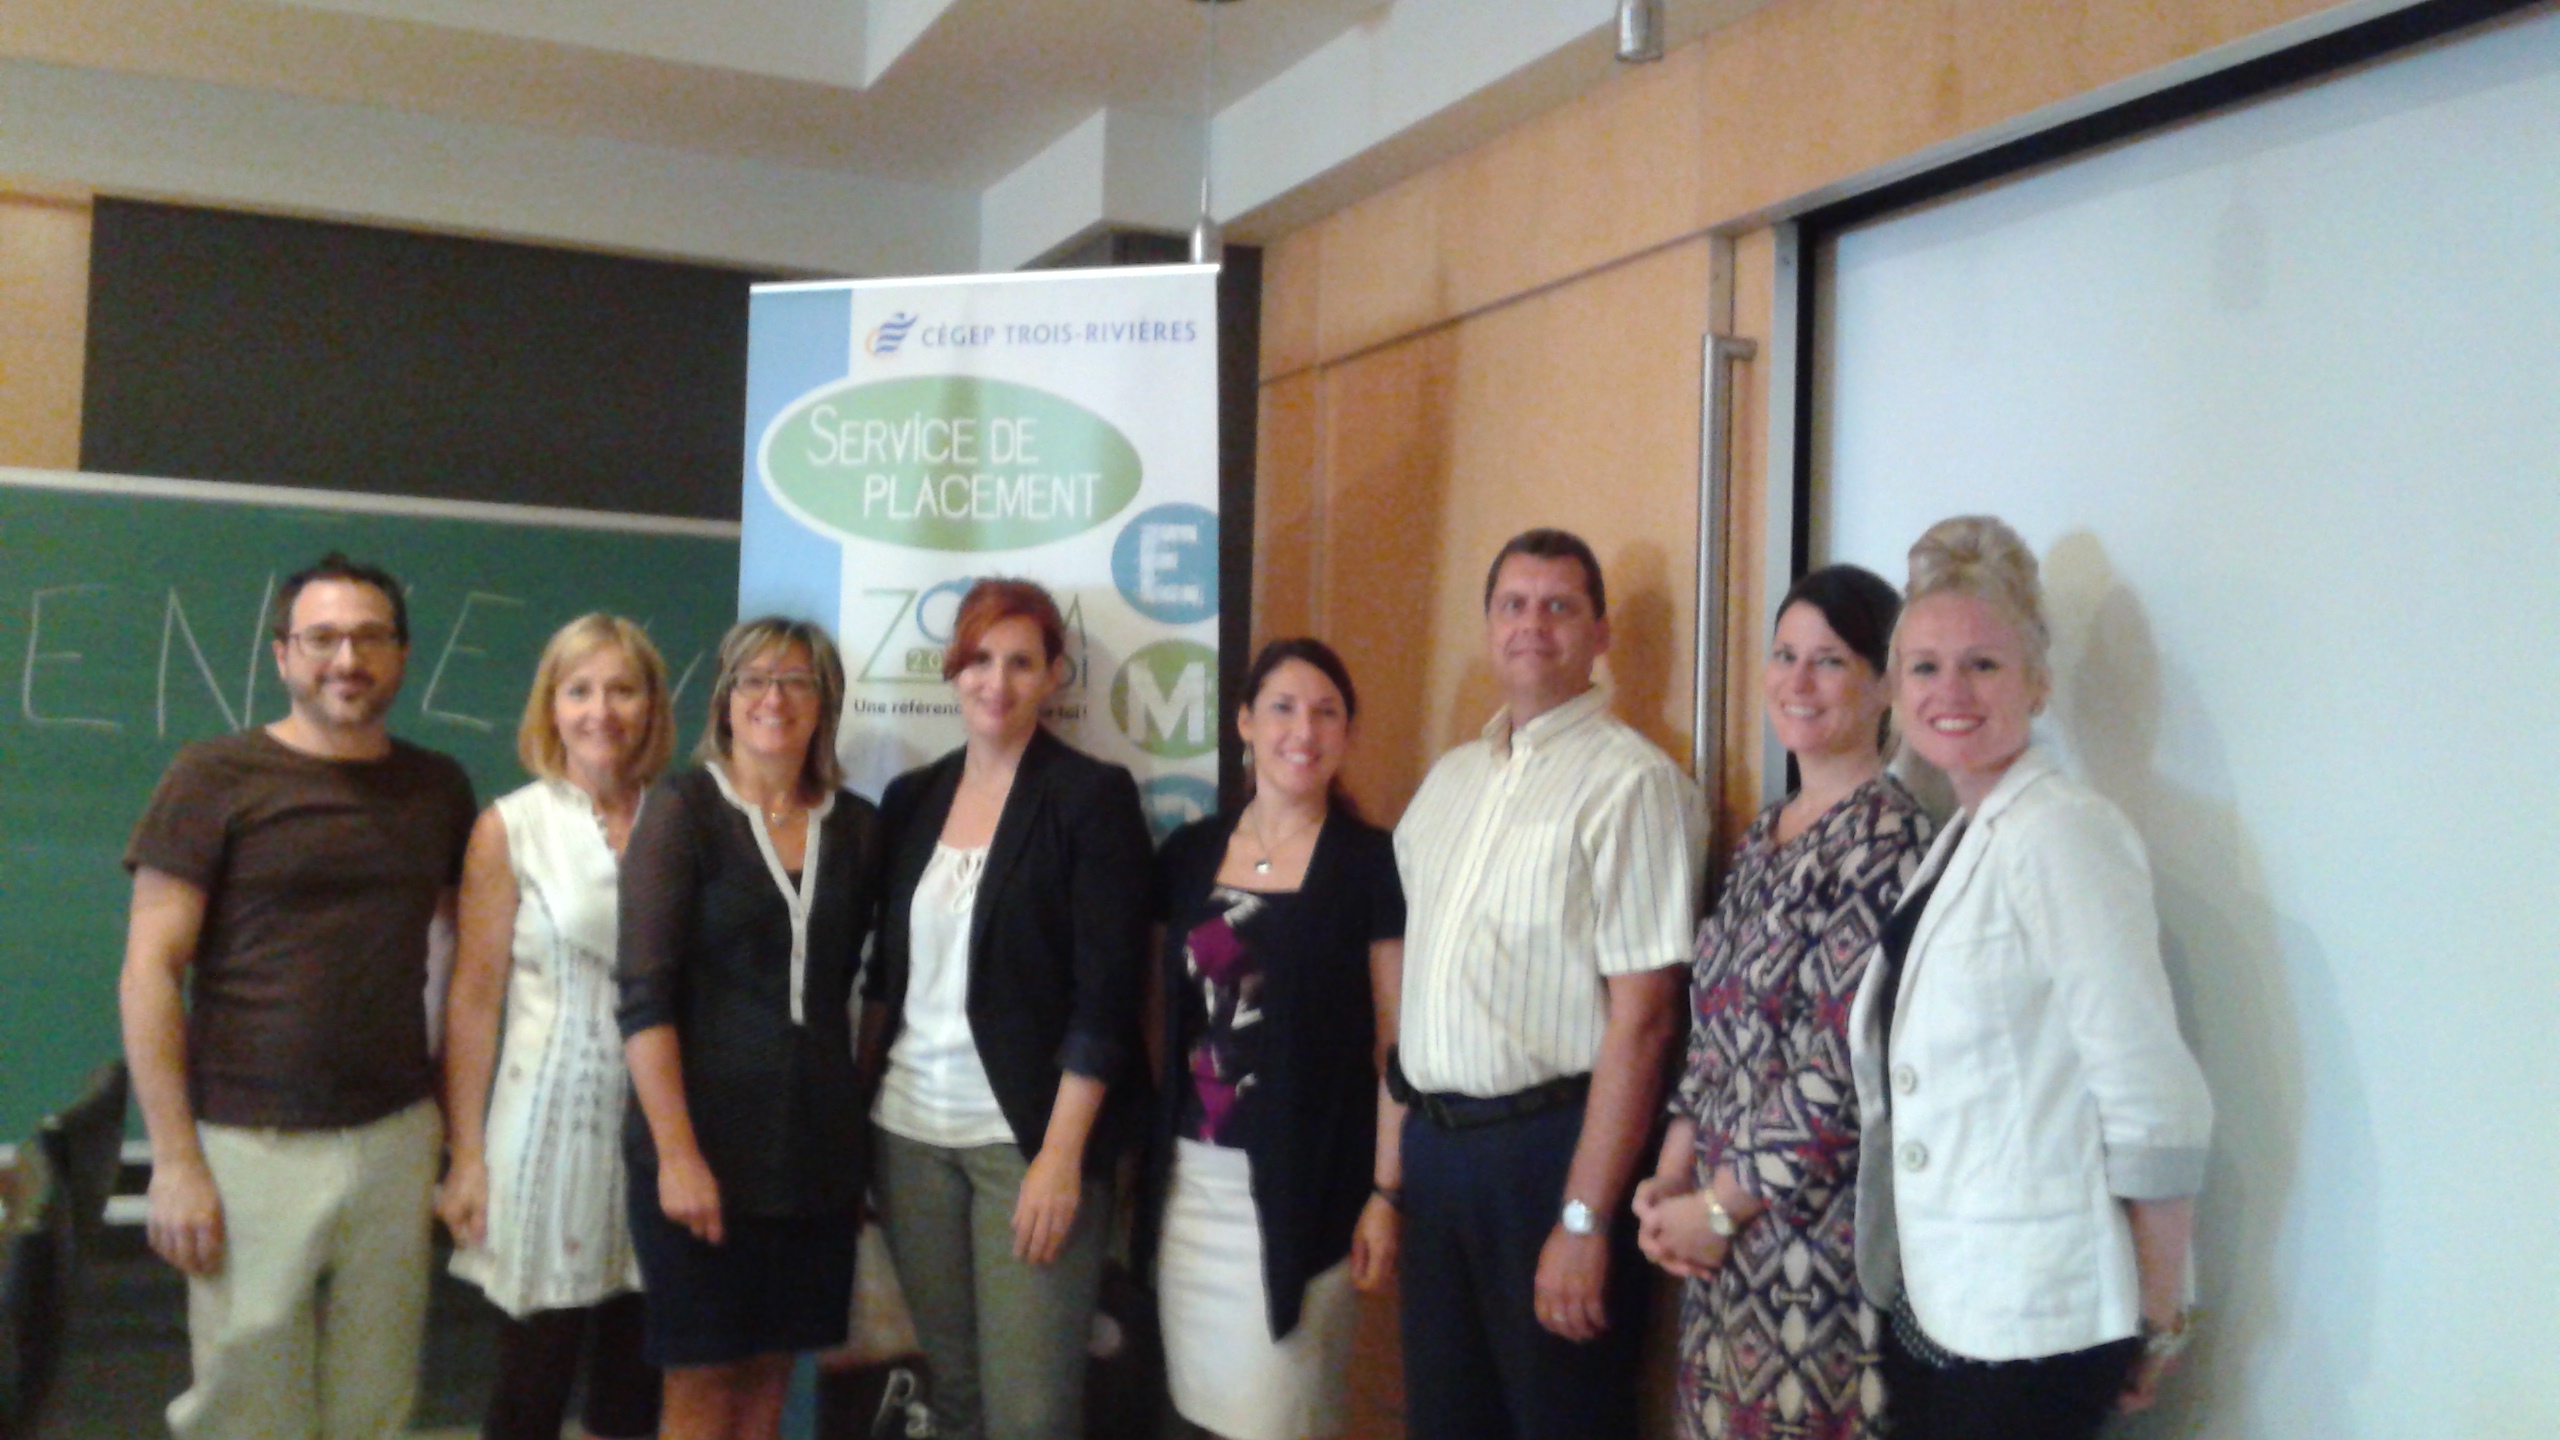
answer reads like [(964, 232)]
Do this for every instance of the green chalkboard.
[(131, 623)]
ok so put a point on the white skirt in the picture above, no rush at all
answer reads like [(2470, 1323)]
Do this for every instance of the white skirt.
[(1227, 1374)]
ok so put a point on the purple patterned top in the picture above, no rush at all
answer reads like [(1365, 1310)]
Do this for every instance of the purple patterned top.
[(1223, 1019)]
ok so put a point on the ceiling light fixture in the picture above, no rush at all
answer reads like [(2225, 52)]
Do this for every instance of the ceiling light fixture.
[(1639, 31), (1207, 242)]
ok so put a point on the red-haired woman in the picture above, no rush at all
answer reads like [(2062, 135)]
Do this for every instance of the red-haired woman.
[(1002, 1005)]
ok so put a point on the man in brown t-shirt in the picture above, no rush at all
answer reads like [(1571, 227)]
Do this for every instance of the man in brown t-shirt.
[(293, 874)]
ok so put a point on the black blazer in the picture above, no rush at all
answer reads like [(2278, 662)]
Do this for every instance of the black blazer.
[(1056, 940), (1309, 1123)]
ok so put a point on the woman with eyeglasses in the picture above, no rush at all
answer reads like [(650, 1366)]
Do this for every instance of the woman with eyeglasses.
[(1000, 1016), (744, 899), (533, 1069)]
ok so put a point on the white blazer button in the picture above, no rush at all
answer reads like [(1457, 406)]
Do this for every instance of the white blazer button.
[(1915, 1156), (1905, 1079)]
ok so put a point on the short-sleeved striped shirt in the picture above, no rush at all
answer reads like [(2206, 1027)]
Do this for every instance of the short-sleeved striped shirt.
[(1536, 866)]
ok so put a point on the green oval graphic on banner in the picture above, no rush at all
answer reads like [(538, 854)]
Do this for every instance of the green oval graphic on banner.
[(950, 462)]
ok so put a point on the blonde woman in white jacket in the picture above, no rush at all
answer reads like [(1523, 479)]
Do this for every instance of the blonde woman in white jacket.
[(2035, 1127)]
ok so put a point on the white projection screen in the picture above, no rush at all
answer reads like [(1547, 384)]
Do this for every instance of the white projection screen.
[(2276, 396)]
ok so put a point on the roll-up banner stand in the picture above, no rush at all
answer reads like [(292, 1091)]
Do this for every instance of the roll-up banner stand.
[(908, 437)]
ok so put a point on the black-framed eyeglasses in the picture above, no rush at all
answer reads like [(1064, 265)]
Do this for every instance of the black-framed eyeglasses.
[(319, 642)]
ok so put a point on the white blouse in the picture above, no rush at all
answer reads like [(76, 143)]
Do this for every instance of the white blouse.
[(936, 1091)]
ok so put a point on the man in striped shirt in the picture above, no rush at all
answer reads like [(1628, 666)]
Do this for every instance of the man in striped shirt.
[(1551, 872)]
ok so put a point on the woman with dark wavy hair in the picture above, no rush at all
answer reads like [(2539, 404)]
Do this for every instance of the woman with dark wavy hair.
[(1276, 1165)]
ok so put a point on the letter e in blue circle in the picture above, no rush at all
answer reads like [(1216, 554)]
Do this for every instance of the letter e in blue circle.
[(1166, 564)]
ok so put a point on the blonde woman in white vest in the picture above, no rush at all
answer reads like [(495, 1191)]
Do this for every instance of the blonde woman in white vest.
[(534, 1196), (2034, 1125)]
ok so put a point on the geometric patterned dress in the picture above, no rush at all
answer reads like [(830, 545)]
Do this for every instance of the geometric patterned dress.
[(1778, 1342), (558, 1236)]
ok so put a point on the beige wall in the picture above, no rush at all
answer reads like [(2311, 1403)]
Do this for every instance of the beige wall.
[(44, 329), (1511, 339)]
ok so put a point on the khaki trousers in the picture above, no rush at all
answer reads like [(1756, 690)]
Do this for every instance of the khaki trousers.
[(311, 1329), (1006, 1339)]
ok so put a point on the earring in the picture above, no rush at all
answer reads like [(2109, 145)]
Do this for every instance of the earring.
[(1248, 757)]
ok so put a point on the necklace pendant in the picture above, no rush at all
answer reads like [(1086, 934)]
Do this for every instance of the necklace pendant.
[(1262, 866)]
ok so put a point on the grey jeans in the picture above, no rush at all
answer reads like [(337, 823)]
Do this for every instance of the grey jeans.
[(1006, 1338)]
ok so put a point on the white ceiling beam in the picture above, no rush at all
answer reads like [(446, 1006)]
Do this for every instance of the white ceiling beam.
[(1424, 80), (820, 41), (1114, 168), (1372, 82), (1152, 181), (1047, 199), (214, 145), (890, 28), (1409, 83)]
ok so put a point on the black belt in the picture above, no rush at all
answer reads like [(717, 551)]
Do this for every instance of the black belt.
[(1469, 1112)]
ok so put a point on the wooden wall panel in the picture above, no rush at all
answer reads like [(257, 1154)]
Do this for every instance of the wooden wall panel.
[(1380, 260), (1377, 1370), (1810, 92), (1441, 393), (44, 329), (1386, 427), (1747, 623), (1609, 175), (1579, 408), (1612, 174), (1292, 272), (1576, 408), (1285, 516), (1795, 96)]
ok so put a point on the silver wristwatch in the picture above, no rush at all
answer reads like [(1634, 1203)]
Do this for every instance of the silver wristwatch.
[(1580, 1219)]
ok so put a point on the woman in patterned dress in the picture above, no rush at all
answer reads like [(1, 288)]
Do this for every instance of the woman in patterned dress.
[(534, 1196), (1751, 1200)]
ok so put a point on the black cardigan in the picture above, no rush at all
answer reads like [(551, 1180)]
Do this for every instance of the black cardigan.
[(1309, 1123), (1056, 940)]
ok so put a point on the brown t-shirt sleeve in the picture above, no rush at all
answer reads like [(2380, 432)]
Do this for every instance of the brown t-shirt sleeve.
[(184, 829)]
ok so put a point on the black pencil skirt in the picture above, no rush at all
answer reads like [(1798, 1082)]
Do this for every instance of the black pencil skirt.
[(772, 1286)]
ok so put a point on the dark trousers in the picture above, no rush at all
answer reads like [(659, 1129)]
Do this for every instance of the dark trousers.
[(2057, 1397), (538, 1366), (1478, 1207)]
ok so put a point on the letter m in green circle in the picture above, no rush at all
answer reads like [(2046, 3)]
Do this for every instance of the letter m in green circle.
[(1163, 699)]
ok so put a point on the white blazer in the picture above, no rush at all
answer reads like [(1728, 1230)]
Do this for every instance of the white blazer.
[(2038, 1079)]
